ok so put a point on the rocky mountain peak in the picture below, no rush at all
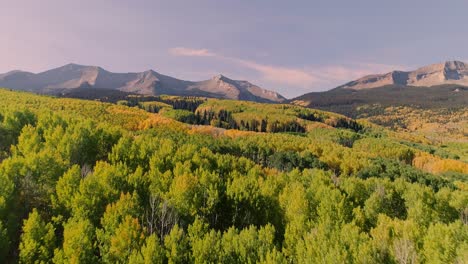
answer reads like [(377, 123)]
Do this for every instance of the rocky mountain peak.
[(220, 77), (448, 72), (455, 65)]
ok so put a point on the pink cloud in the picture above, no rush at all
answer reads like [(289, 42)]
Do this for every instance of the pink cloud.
[(307, 79), (181, 51), (276, 74), (340, 74), (281, 75)]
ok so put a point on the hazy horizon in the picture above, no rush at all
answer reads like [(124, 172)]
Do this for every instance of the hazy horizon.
[(291, 49)]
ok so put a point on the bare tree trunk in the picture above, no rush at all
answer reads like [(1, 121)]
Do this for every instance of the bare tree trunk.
[(160, 217), (464, 215), (168, 218), (86, 169), (151, 214), (405, 252)]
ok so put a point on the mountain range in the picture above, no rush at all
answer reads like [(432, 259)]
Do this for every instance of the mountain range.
[(449, 72), (442, 85), (72, 77)]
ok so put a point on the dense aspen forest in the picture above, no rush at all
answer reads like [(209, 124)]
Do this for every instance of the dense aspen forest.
[(194, 180)]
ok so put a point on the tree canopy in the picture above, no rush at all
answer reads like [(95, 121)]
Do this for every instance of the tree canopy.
[(92, 182)]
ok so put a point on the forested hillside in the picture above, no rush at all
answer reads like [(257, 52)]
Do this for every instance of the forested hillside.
[(437, 113), (190, 180)]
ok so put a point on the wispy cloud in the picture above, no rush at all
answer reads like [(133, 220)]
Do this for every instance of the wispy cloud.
[(181, 51), (350, 71), (308, 79), (275, 74), (278, 74)]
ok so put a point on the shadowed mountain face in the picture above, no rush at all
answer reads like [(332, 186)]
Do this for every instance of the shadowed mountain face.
[(72, 76), (350, 102)]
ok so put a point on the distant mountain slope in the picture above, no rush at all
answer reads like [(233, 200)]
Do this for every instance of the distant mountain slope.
[(347, 101), (449, 72), (431, 101), (438, 112), (442, 85), (72, 76)]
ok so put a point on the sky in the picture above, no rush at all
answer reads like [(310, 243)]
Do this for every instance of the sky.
[(292, 47)]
